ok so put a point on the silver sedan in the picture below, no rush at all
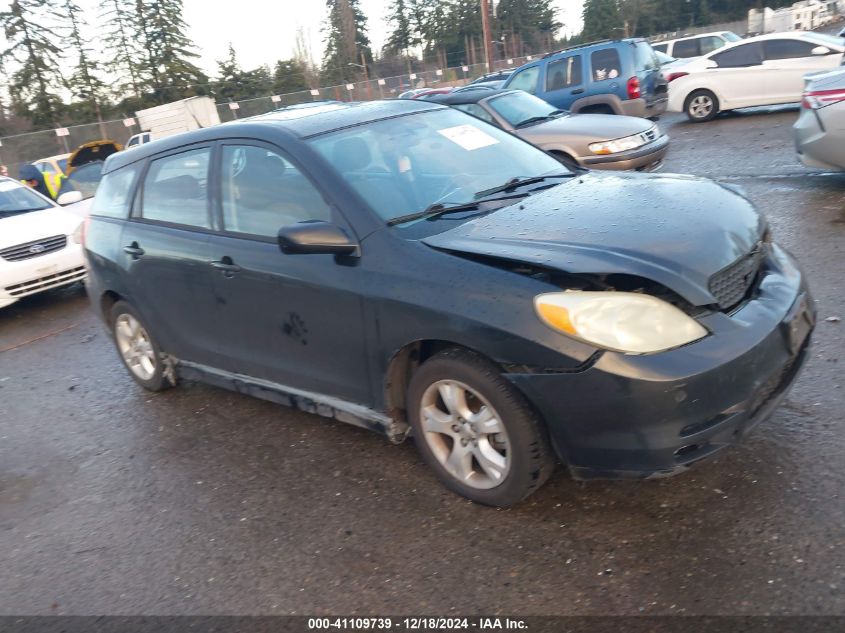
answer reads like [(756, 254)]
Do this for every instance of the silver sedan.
[(820, 130), (597, 141)]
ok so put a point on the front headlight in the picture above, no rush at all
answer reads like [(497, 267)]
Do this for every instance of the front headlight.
[(624, 144), (626, 322)]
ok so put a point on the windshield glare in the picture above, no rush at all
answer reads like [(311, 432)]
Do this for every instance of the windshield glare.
[(518, 107), (16, 198), (406, 164)]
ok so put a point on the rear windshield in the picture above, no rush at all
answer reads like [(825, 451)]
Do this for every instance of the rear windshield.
[(16, 199)]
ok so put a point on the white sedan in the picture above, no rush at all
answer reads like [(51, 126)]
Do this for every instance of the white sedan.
[(40, 242), (759, 71)]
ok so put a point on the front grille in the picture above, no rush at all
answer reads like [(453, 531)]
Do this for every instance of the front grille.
[(34, 249), (55, 280), (730, 285)]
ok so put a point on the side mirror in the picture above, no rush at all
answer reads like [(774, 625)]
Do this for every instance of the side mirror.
[(314, 238), (821, 50), (70, 197)]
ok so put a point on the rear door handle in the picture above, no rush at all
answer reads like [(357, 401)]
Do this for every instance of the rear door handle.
[(578, 91), (133, 250), (226, 266)]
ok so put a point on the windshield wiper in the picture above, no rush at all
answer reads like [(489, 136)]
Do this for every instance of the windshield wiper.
[(441, 208), (513, 183), (536, 119)]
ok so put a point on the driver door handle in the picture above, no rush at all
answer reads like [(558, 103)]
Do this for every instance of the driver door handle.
[(226, 266), (577, 91), (133, 250)]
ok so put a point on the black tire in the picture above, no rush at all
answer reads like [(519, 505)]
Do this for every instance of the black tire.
[(695, 109), (157, 381), (529, 453)]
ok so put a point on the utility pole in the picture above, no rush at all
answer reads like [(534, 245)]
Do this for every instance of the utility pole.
[(485, 30)]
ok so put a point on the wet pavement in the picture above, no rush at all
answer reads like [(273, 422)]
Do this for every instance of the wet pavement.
[(200, 501)]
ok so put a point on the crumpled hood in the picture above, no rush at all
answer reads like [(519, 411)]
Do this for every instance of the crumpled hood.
[(36, 225), (675, 230)]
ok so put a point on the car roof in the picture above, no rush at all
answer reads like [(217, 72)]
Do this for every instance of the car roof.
[(621, 40), (783, 35), (297, 122), (692, 37), (470, 96)]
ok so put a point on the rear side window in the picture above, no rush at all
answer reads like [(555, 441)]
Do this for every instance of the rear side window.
[(564, 73), (711, 43), (114, 194), (663, 48), (787, 49), (605, 64), (175, 189), (525, 80), (739, 56), (686, 48)]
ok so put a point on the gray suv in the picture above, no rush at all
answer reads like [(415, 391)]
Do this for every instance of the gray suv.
[(820, 130)]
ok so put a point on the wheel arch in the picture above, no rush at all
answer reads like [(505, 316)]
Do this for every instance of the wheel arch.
[(107, 301)]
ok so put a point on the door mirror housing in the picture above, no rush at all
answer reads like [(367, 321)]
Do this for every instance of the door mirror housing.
[(821, 50), (316, 238), (69, 197)]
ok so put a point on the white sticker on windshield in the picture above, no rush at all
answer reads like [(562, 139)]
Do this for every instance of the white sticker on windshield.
[(468, 136), (8, 185)]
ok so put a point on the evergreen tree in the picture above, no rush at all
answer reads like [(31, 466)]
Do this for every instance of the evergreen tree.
[(83, 83), (346, 39), (289, 75), (602, 20), (402, 37), (229, 77), (119, 48), (168, 62), (31, 47), (531, 23)]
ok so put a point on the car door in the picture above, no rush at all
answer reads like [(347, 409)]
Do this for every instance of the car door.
[(785, 63), (290, 319), (564, 80), (166, 254), (738, 79)]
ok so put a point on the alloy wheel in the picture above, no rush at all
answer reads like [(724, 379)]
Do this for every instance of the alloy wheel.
[(465, 434), (701, 106), (135, 346)]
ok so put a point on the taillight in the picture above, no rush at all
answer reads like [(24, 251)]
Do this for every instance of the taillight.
[(815, 99), (634, 91), (673, 76)]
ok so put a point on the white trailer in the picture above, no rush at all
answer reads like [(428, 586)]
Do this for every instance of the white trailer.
[(188, 114)]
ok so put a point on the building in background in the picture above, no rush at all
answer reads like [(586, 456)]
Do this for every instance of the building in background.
[(805, 15)]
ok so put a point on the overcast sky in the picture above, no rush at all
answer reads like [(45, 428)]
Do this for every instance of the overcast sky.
[(263, 32)]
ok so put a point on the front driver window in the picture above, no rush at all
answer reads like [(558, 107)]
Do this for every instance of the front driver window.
[(262, 192)]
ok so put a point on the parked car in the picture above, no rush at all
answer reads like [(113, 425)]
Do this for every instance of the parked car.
[(403, 266), (486, 85), (425, 94), (599, 141), (759, 71), (499, 75), (670, 67), (52, 165), (696, 45), (40, 243), (139, 139), (86, 179), (609, 77), (91, 152), (409, 94), (820, 129)]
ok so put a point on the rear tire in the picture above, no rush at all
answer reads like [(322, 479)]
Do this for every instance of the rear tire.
[(137, 348), (476, 431), (701, 105)]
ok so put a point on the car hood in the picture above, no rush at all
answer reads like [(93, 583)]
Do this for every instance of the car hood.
[(36, 225), (674, 230), (586, 127)]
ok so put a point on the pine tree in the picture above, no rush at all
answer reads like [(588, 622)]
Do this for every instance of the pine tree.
[(402, 37), (31, 46), (83, 82), (169, 50), (119, 48), (346, 40), (531, 23), (229, 77), (602, 20), (289, 75)]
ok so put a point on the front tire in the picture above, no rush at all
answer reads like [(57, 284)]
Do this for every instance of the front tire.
[(136, 347), (701, 105), (476, 431)]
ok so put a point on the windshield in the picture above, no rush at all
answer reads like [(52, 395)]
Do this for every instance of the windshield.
[(519, 108), (86, 179), (16, 198), (825, 39), (730, 36), (406, 164)]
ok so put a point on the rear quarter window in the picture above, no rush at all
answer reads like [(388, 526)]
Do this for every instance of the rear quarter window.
[(663, 48), (114, 195), (687, 48), (605, 64)]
